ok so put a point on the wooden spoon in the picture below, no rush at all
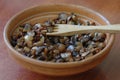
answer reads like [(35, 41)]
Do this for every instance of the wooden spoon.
[(67, 30)]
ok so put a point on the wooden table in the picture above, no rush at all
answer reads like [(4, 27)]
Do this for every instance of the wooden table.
[(109, 69)]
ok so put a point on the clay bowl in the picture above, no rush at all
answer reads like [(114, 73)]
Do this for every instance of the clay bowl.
[(42, 13)]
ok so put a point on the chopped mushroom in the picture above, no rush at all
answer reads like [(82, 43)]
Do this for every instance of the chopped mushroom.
[(32, 41)]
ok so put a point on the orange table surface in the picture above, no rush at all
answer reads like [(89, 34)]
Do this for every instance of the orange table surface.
[(109, 69)]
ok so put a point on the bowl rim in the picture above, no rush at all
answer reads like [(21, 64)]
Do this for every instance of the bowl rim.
[(52, 64)]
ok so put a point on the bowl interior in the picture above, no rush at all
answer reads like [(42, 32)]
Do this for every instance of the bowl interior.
[(45, 12)]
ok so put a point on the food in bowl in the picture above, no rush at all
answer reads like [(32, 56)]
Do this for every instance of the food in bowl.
[(32, 41)]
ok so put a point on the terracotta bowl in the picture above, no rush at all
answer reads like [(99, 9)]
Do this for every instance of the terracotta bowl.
[(42, 13)]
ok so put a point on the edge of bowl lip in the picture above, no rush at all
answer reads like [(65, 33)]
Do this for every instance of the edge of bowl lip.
[(37, 62)]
